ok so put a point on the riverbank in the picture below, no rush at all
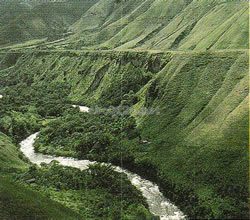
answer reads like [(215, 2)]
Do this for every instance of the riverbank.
[(158, 204)]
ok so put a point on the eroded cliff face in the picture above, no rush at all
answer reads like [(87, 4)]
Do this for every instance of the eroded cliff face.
[(93, 77)]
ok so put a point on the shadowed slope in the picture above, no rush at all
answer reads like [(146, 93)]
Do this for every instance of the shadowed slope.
[(20, 202), (21, 21)]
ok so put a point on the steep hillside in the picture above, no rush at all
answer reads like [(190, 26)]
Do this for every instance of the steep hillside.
[(9, 157), (201, 131), (161, 24), (128, 24), (197, 137), (178, 69), (84, 77), (20, 202), (20, 21)]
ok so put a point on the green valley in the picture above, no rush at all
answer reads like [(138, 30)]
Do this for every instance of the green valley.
[(167, 87)]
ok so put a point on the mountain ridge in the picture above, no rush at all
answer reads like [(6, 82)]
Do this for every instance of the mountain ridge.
[(147, 25)]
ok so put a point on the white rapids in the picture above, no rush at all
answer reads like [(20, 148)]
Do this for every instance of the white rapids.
[(81, 108), (157, 203)]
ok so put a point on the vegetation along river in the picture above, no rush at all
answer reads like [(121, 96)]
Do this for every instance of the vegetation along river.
[(158, 204)]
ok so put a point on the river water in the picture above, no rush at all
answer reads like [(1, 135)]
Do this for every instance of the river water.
[(158, 204)]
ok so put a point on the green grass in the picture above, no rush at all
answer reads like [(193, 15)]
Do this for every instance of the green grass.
[(9, 155), (130, 24), (198, 141), (201, 133), (18, 201), (161, 24)]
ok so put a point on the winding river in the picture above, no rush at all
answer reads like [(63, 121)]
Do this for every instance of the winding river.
[(158, 204)]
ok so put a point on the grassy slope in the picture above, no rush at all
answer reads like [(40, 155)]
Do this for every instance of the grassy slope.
[(201, 133), (150, 24), (161, 24), (19, 201), (9, 157)]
